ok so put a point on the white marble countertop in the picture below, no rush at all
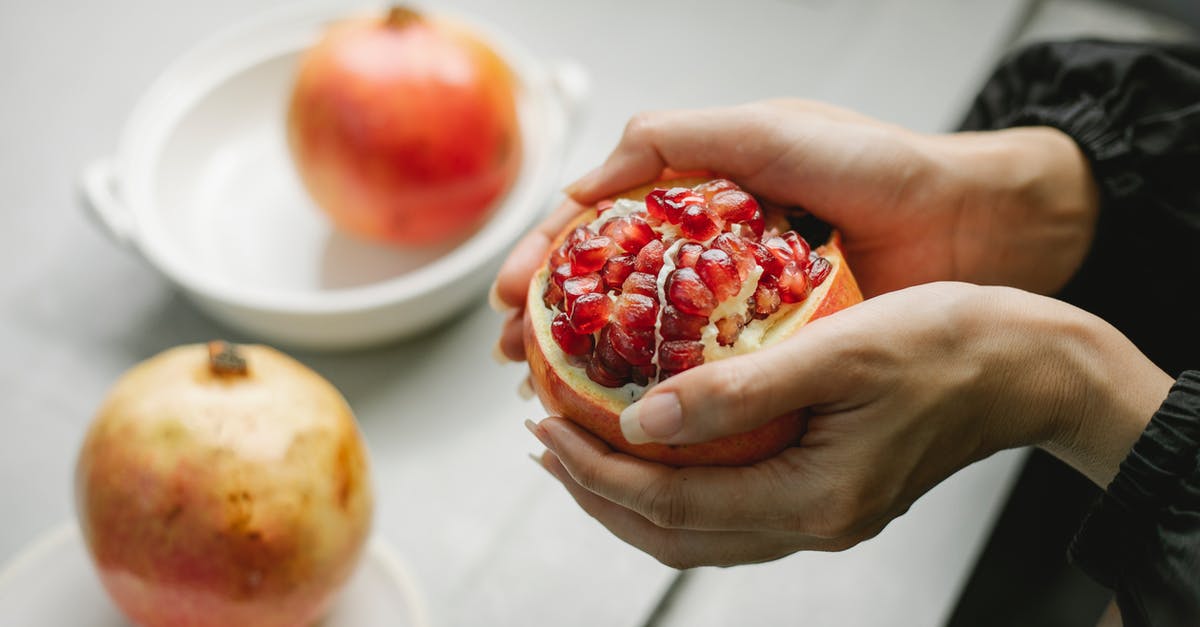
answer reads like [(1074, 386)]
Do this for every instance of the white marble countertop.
[(490, 539)]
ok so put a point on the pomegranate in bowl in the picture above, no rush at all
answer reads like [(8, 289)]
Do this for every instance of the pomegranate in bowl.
[(665, 278), (404, 128)]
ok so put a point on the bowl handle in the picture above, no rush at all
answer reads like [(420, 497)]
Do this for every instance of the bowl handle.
[(570, 83), (99, 199)]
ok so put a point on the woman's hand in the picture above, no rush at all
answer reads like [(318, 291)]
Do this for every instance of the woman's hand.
[(901, 390), (1014, 207)]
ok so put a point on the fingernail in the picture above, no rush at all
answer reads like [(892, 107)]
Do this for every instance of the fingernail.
[(656, 417), (494, 301), (498, 355), (525, 390), (539, 433)]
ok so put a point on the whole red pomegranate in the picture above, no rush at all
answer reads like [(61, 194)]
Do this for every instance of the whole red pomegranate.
[(223, 486), (662, 279), (404, 128)]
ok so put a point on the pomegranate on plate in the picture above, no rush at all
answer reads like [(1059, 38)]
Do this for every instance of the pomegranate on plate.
[(226, 486), (404, 128), (662, 279)]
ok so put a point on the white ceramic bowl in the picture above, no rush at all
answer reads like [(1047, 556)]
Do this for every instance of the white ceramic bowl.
[(203, 187)]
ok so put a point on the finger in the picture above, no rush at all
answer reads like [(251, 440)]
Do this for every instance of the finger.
[(674, 547), (702, 139), (512, 337), (512, 282), (752, 498), (740, 393)]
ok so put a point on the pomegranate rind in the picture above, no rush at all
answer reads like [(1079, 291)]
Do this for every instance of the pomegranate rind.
[(565, 389), (206, 499)]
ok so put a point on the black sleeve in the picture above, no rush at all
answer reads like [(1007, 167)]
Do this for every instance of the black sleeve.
[(1134, 110), (1142, 539)]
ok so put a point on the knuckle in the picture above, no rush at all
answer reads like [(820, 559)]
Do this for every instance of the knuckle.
[(665, 505), (587, 476), (839, 519), (640, 126), (736, 392), (674, 556)]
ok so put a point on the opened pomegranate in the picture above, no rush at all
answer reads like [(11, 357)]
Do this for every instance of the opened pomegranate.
[(663, 279), (404, 128), (223, 486)]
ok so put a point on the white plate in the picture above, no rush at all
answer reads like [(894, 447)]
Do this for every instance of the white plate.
[(204, 188), (52, 584)]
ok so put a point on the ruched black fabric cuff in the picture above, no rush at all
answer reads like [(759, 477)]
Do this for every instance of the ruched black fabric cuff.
[(1124, 524)]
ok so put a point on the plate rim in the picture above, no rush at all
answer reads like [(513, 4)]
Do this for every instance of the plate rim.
[(378, 548)]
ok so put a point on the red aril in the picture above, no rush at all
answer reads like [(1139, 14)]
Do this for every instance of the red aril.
[(617, 269), (650, 257), (715, 267), (703, 285), (590, 312)]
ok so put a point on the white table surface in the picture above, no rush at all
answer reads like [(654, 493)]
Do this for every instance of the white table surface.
[(490, 538)]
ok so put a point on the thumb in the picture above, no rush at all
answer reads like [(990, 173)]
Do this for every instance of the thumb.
[(733, 395)]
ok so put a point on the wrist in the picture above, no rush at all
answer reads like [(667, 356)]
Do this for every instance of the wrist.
[(1027, 205), (1076, 386)]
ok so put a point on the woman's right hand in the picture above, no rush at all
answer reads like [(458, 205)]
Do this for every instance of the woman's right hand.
[(901, 391), (1014, 207)]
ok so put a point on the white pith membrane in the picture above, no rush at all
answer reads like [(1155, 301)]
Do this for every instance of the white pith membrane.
[(757, 333)]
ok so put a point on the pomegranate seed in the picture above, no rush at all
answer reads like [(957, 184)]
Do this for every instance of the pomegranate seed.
[(765, 258), (800, 248), (561, 273), (604, 205), (782, 252), (710, 189), (607, 354), (734, 205), (562, 254), (675, 200), (688, 255), (637, 311), (641, 283), (617, 269), (590, 312), (757, 224), (656, 203), (677, 325), (642, 375), (568, 340), (739, 250), (728, 329), (552, 296), (793, 284), (766, 298), (635, 346), (715, 267), (577, 286), (699, 223), (630, 233), (602, 375), (591, 254), (650, 257), (819, 270), (679, 355), (687, 292)]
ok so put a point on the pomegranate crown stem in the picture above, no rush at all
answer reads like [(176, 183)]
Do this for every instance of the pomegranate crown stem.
[(399, 16), (224, 358)]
